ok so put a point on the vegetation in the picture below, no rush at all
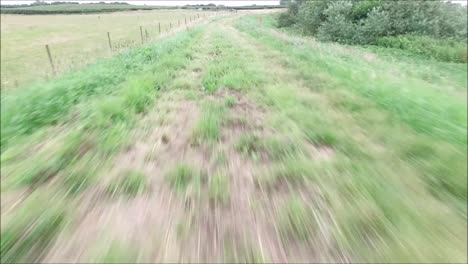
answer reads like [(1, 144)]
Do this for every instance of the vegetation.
[(131, 184), (208, 128), (218, 188), (443, 50), (72, 8), (182, 176), (77, 46), (30, 232), (256, 144), (296, 220), (367, 22), (377, 128)]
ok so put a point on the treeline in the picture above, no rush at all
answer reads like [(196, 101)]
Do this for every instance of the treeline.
[(424, 27)]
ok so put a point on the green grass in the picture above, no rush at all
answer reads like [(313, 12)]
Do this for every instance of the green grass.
[(297, 221), (131, 183), (275, 148), (113, 251), (230, 101), (30, 232), (69, 129), (376, 134), (73, 9), (399, 140), (28, 109), (100, 111), (443, 50), (208, 128), (74, 42), (183, 176), (218, 188), (242, 252), (291, 171), (226, 70)]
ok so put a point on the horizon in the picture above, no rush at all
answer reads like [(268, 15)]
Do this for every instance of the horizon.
[(162, 2)]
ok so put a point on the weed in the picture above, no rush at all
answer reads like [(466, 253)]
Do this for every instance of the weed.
[(275, 148), (118, 253), (230, 101), (248, 144), (208, 128), (218, 189), (130, 184), (244, 252), (31, 230), (182, 176), (297, 221)]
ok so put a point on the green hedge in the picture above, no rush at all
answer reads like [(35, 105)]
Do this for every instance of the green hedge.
[(439, 49)]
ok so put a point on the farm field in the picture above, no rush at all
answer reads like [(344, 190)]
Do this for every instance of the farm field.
[(75, 8), (234, 142), (74, 40)]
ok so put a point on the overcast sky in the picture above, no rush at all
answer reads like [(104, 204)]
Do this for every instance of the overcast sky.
[(169, 2)]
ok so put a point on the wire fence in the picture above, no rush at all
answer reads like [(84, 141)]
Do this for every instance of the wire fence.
[(55, 59)]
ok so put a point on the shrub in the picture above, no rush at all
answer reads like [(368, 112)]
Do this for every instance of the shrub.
[(286, 20), (443, 50), (364, 22)]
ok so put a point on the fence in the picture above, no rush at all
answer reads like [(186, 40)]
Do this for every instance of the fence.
[(52, 60)]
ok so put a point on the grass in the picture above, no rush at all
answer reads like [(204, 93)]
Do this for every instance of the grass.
[(72, 46), (29, 109), (296, 221), (208, 128), (242, 252), (29, 233), (71, 129), (443, 50), (383, 123), (101, 124), (117, 253), (275, 148), (218, 188), (131, 183), (183, 176), (230, 101), (380, 134), (226, 70), (73, 9)]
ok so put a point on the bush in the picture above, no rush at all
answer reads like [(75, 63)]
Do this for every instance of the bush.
[(311, 15), (338, 26), (286, 20), (443, 50), (364, 22)]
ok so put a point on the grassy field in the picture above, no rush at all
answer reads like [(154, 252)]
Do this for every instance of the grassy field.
[(74, 40), (74, 8), (234, 142)]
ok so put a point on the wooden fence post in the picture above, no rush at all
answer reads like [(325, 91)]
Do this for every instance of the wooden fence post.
[(141, 34), (50, 58), (170, 26), (159, 25), (110, 43), (146, 34)]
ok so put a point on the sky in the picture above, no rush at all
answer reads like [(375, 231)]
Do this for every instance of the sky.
[(168, 2)]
